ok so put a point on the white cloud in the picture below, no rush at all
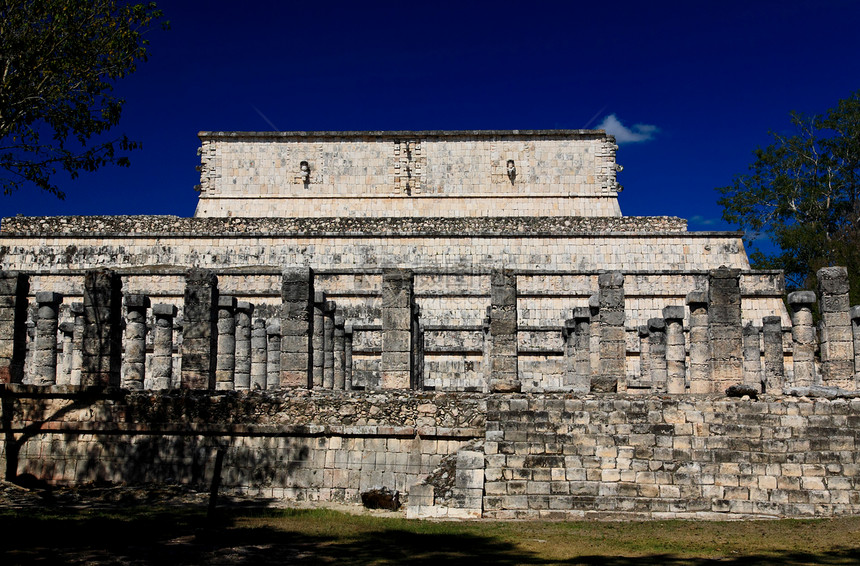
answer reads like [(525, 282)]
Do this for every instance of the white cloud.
[(623, 134)]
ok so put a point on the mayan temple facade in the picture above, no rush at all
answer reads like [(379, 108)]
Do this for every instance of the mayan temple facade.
[(464, 316)]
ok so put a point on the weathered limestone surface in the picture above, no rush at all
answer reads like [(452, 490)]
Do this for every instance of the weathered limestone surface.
[(612, 337), (837, 342), (725, 328), (45, 353), (242, 379), (134, 359), (13, 331), (297, 320), (676, 354), (700, 349), (199, 341), (803, 337), (774, 369), (225, 364), (753, 376), (658, 365), (102, 340), (397, 300), (504, 376), (162, 346)]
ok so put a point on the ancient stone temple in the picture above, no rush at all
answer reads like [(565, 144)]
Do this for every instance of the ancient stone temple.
[(357, 309)]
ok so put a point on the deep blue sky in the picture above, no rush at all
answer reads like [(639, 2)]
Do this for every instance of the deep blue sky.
[(712, 77)]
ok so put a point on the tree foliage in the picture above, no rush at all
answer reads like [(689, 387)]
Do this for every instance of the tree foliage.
[(802, 194), (59, 60)]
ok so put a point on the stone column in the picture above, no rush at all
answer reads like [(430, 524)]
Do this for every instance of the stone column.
[(273, 354), (14, 288), (725, 330), (803, 337), (568, 338), (134, 363), (45, 348), (613, 348), (700, 349), (328, 344), (644, 353), (774, 370), (297, 320), (487, 351), (258, 355), (503, 330), (676, 354), (161, 366), (752, 357), (199, 334), (242, 375), (77, 310), (657, 348), (347, 356), (855, 327), (64, 373), (397, 299), (837, 341), (318, 339), (582, 345), (338, 353), (226, 349), (594, 336), (417, 378), (102, 345)]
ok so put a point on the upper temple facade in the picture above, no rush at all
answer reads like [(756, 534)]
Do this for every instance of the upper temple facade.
[(396, 174)]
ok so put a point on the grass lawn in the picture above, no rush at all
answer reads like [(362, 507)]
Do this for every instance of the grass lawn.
[(140, 535)]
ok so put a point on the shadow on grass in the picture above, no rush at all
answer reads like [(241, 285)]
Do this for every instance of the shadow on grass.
[(183, 536)]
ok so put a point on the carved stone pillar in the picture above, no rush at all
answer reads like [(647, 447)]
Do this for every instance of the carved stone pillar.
[(273, 354), (45, 353), (725, 328), (503, 330), (297, 322), (242, 375), (14, 287), (613, 347), (319, 339), (328, 344), (161, 365), (397, 301), (338, 353), (582, 347), (657, 341), (102, 345), (226, 348), (774, 366), (803, 337), (700, 349), (752, 357), (347, 356), (258, 355), (134, 363), (66, 356), (77, 310), (644, 354), (837, 341), (676, 355), (199, 330)]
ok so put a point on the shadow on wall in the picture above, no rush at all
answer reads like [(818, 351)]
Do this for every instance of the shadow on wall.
[(35, 456)]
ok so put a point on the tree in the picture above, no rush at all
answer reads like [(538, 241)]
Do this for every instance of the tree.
[(802, 194), (59, 60)]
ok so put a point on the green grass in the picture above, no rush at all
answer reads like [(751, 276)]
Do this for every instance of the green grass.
[(140, 535)]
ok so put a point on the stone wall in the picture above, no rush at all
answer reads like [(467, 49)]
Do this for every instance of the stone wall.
[(558, 457), (320, 447), (430, 174)]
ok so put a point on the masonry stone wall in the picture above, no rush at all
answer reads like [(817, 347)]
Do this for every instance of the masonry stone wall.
[(557, 457), (320, 447), (429, 174)]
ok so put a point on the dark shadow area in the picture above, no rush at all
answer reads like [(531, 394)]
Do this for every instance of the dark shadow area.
[(183, 536)]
